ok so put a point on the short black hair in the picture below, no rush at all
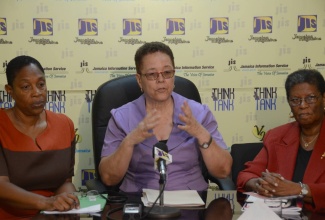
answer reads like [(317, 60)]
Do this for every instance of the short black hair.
[(149, 48), (309, 76), (17, 63)]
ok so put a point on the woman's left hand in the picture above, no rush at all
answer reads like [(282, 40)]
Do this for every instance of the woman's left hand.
[(190, 125), (278, 186)]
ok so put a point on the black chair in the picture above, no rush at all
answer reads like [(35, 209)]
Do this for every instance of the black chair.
[(241, 153), (113, 94)]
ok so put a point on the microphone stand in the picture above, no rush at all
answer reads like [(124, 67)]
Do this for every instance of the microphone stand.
[(162, 211)]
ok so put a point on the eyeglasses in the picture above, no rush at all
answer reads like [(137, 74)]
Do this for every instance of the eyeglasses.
[(311, 99), (167, 74)]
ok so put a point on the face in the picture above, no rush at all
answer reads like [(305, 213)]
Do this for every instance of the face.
[(307, 114), (29, 90), (160, 89)]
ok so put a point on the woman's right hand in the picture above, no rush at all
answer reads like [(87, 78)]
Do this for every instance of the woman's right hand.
[(145, 128), (62, 202)]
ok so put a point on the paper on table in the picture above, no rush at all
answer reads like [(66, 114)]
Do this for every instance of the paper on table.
[(258, 210), (87, 205), (254, 197), (178, 198), (90, 209)]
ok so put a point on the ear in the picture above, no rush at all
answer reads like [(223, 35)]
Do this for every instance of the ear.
[(8, 89), (138, 77)]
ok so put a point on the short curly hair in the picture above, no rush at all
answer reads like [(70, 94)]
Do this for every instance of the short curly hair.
[(16, 64), (149, 48)]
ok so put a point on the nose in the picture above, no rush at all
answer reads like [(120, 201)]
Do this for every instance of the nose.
[(36, 91), (160, 77)]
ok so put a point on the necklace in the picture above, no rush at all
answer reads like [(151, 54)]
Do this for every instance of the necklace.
[(306, 144)]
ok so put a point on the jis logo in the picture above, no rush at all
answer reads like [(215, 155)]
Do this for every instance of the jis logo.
[(175, 26), (307, 23), (262, 25), (3, 26), (43, 26), (88, 27), (219, 26), (132, 27)]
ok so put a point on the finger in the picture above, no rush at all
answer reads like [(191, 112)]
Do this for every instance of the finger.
[(76, 203)]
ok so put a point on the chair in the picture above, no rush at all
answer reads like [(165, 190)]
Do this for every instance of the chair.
[(113, 94), (241, 153)]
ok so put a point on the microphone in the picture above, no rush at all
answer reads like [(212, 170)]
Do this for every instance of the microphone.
[(162, 159), (160, 153)]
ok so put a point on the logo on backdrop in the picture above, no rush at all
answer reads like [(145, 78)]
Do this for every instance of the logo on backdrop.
[(223, 99), (265, 98), (307, 63), (232, 65), (132, 27), (6, 100), (219, 26), (3, 31), (175, 27), (87, 27), (90, 94), (3, 26), (56, 101), (262, 25), (306, 24), (258, 132), (87, 174), (42, 27)]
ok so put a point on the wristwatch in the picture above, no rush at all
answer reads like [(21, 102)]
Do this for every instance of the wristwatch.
[(304, 190), (205, 145)]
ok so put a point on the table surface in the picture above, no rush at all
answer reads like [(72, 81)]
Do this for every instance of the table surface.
[(223, 205)]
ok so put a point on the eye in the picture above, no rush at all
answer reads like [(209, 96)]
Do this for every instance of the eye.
[(151, 74), (25, 87)]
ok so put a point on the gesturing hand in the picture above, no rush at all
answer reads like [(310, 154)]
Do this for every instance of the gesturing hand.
[(145, 128), (190, 125)]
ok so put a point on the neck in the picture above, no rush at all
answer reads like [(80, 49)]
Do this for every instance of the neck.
[(23, 119), (159, 105)]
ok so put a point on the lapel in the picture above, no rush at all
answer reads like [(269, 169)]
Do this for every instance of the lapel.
[(287, 150), (316, 165)]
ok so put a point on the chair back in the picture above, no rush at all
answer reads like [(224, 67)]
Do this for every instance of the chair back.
[(242, 153), (117, 92)]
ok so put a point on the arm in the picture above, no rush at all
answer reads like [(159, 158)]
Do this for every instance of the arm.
[(113, 167), (217, 160), (17, 197)]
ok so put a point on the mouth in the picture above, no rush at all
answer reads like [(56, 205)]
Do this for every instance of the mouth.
[(39, 104)]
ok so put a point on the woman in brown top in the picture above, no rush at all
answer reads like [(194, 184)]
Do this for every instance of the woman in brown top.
[(37, 147)]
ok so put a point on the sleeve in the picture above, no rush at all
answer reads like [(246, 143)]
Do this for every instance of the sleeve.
[(73, 139), (3, 163), (204, 115), (115, 133), (253, 169)]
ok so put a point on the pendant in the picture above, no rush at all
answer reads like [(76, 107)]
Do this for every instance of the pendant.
[(306, 145)]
